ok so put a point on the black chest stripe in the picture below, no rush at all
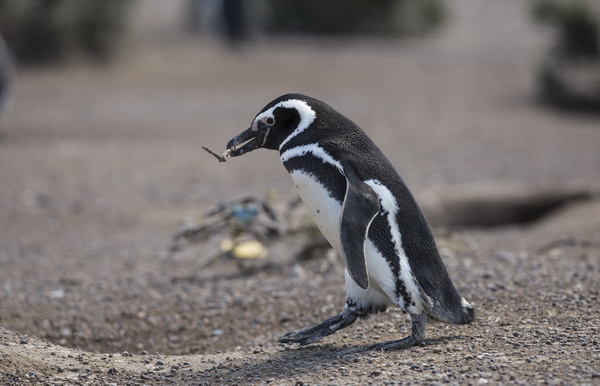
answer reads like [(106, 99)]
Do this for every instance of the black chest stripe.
[(325, 173)]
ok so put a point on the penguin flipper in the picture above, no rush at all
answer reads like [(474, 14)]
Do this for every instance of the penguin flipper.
[(360, 207)]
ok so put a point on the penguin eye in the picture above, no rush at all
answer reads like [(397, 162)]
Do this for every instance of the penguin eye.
[(269, 121)]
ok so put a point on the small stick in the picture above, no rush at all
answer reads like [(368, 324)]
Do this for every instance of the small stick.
[(221, 158)]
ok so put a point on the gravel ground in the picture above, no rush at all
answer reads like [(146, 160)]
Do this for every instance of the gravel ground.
[(100, 165)]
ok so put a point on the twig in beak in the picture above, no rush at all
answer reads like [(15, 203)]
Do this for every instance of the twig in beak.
[(221, 158)]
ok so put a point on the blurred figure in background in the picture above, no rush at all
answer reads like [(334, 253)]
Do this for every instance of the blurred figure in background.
[(235, 21), (6, 73), (44, 32), (229, 17)]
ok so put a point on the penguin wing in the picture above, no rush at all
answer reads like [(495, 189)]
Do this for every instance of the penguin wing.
[(360, 207)]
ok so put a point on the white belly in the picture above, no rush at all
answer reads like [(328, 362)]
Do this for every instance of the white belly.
[(326, 212), (324, 209)]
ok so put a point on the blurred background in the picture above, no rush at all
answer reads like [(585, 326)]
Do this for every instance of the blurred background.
[(104, 105)]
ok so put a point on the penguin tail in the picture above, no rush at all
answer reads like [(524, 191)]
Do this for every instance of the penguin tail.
[(466, 313), (459, 311), (442, 301)]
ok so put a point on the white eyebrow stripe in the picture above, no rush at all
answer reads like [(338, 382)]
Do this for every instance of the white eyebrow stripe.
[(307, 116), (316, 151)]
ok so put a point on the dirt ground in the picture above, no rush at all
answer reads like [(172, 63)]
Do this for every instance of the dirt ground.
[(100, 165)]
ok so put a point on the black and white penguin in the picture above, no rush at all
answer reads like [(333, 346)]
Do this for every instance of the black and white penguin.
[(365, 211)]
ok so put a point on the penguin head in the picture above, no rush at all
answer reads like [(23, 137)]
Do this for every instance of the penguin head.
[(275, 124)]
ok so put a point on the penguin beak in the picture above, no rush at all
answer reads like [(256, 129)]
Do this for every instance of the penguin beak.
[(245, 142)]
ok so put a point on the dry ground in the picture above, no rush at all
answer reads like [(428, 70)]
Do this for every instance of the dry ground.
[(99, 166)]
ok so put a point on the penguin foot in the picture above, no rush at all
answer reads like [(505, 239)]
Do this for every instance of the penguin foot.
[(317, 332), (418, 335), (399, 344)]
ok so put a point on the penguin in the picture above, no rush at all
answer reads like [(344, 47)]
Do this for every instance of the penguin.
[(365, 211)]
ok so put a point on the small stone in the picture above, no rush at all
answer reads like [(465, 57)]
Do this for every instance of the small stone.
[(504, 256)]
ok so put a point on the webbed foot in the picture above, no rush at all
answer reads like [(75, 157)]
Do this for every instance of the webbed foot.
[(317, 332), (418, 335)]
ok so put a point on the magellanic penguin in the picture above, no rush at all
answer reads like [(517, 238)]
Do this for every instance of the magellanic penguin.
[(365, 211)]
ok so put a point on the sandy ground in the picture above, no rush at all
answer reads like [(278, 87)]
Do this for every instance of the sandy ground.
[(99, 166)]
